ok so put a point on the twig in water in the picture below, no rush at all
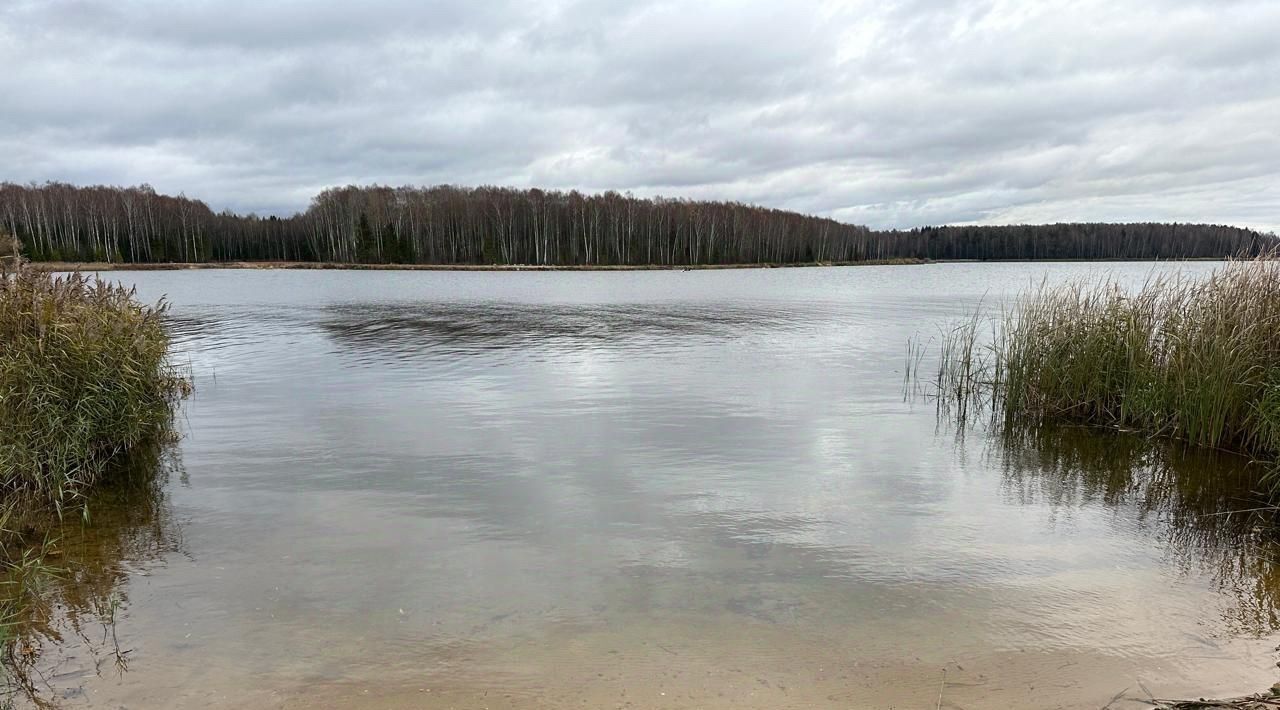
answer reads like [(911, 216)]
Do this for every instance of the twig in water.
[(1114, 698), (942, 688)]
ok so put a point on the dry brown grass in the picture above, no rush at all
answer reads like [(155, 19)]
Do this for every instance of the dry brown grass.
[(84, 381), (84, 377), (1194, 360)]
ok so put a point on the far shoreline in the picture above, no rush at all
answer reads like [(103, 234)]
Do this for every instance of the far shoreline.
[(70, 266)]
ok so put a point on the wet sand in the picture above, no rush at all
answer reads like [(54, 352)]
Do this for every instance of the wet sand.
[(705, 663)]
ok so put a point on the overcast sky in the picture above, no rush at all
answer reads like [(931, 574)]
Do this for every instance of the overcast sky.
[(883, 113)]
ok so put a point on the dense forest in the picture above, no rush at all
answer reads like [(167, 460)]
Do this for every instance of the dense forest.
[(492, 225)]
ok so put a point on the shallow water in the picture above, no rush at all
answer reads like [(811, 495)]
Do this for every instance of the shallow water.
[(643, 489)]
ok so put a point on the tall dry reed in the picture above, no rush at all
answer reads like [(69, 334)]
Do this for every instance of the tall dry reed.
[(84, 377), (1191, 359), (84, 380)]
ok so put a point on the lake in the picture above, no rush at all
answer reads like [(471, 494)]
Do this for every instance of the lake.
[(642, 489)]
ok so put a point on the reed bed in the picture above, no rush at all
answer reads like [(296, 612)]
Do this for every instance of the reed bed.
[(85, 379), (1196, 360)]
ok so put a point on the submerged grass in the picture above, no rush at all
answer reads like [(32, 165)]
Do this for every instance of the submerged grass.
[(84, 380), (1196, 360)]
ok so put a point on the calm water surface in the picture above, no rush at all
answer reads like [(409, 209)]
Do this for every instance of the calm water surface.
[(645, 489)]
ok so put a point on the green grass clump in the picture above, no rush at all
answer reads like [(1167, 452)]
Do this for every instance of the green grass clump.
[(85, 381), (1194, 360), (84, 378)]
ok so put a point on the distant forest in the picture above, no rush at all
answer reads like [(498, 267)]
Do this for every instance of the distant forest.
[(491, 225)]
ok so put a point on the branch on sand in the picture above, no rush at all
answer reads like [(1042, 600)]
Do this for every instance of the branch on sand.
[(1260, 701)]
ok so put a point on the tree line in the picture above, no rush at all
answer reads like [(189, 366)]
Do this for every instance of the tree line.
[(494, 225)]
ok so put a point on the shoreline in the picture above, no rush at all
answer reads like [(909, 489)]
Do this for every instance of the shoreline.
[(344, 266), (63, 266)]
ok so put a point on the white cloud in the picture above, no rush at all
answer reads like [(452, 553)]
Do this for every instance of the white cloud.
[(889, 113)]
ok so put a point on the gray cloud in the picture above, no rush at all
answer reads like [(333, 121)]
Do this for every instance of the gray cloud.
[(886, 113)]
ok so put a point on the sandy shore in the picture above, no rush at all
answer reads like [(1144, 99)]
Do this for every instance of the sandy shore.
[(641, 663)]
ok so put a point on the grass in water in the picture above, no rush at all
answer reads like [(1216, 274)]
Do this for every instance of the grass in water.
[(85, 379), (1196, 360), (1186, 359)]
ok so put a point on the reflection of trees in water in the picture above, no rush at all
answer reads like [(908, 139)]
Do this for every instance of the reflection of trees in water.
[(1204, 505), (127, 526), (406, 329)]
